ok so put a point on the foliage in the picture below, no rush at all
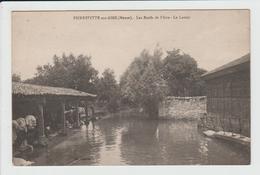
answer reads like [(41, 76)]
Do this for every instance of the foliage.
[(142, 82), (147, 80), (67, 71), (108, 90), (198, 85), (182, 74), (16, 78)]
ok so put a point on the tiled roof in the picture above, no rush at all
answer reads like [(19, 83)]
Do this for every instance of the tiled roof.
[(236, 63), (30, 89)]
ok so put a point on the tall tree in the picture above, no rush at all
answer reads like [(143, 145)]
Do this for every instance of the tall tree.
[(198, 85), (108, 90), (142, 82), (67, 71), (181, 73)]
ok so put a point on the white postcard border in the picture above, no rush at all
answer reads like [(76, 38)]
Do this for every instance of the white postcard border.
[(5, 91)]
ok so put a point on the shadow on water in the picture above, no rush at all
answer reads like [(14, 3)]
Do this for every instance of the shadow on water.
[(134, 140)]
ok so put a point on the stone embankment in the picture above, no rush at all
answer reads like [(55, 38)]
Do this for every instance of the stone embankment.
[(182, 107)]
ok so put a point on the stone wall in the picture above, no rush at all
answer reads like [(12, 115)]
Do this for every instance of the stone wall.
[(182, 107)]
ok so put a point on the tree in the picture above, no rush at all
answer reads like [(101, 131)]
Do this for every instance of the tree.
[(198, 86), (16, 78), (181, 73), (142, 82), (108, 90), (68, 71)]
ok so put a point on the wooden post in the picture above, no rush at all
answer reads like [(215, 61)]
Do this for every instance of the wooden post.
[(40, 121), (63, 119), (77, 114), (86, 108)]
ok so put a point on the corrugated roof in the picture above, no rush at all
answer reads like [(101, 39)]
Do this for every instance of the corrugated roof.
[(30, 89), (232, 64)]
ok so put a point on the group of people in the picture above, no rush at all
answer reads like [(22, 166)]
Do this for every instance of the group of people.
[(86, 115), (24, 133)]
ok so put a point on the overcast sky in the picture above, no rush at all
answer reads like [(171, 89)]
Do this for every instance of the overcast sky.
[(213, 38)]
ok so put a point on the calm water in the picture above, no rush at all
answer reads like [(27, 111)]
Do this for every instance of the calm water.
[(139, 141)]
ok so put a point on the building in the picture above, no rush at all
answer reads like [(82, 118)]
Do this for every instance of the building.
[(47, 104), (228, 96)]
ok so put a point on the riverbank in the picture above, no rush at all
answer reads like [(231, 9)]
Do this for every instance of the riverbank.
[(55, 139)]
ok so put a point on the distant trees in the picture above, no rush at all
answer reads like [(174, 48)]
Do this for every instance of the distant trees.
[(142, 82), (16, 78), (77, 72), (146, 81), (69, 71)]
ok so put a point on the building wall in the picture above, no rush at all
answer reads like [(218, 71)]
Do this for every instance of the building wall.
[(228, 102), (182, 107)]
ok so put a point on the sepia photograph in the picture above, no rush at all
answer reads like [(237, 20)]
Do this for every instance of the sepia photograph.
[(131, 87)]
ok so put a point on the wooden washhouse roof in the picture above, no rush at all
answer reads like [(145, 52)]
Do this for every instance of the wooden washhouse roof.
[(239, 64), (38, 90)]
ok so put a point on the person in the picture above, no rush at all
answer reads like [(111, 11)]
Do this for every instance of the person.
[(30, 122), (18, 161), (20, 135), (32, 132), (15, 127), (20, 129), (91, 114), (87, 121)]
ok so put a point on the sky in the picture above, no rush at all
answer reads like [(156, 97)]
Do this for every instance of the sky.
[(211, 37)]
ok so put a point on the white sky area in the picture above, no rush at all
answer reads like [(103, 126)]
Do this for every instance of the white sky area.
[(212, 37)]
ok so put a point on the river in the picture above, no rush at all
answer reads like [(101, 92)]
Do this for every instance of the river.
[(133, 140)]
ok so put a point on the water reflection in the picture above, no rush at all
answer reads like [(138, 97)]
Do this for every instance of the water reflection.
[(139, 141)]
